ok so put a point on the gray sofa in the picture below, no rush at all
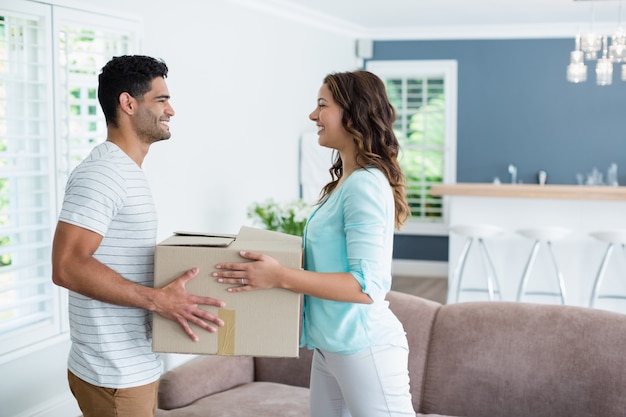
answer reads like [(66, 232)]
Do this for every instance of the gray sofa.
[(487, 359)]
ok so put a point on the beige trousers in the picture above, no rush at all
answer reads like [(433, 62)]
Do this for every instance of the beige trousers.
[(97, 401)]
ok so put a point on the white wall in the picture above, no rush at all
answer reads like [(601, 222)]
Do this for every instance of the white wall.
[(242, 83)]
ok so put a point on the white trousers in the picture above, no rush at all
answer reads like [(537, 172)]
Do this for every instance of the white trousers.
[(373, 382)]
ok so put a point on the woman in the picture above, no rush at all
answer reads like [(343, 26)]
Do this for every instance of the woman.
[(360, 361)]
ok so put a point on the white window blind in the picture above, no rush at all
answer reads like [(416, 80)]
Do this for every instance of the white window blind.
[(46, 127), (424, 96)]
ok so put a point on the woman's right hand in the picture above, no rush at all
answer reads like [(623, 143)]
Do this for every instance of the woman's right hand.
[(260, 272)]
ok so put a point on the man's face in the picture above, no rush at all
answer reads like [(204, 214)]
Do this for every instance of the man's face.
[(152, 118)]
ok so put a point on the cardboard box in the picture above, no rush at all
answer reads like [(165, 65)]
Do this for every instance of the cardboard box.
[(257, 323)]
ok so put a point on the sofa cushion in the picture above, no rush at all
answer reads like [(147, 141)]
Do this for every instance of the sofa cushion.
[(431, 415), (202, 376), (258, 399), (520, 359)]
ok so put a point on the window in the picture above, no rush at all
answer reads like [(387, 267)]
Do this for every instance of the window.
[(424, 96), (82, 50), (27, 300), (42, 136)]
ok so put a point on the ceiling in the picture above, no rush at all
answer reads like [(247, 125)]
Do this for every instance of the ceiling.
[(384, 19)]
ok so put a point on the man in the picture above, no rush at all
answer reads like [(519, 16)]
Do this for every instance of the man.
[(103, 251)]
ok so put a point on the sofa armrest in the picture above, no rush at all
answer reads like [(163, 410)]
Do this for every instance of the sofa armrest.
[(203, 376)]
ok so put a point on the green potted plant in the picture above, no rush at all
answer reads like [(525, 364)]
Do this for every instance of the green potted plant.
[(287, 217)]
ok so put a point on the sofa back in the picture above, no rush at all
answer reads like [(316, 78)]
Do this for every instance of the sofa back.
[(291, 371), (519, 359)]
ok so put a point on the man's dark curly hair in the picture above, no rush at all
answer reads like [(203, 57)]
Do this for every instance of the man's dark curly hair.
[(132, 74)]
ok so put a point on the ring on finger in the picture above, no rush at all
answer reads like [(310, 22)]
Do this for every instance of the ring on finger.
[(243, 282)]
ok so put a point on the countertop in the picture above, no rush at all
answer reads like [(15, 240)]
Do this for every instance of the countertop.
[(572, 192)]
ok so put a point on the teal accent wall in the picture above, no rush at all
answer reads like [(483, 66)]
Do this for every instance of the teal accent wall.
[(516, 106)]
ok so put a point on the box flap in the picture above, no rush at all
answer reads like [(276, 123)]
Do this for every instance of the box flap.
[(198, 240), (187, 233), (252, 234)]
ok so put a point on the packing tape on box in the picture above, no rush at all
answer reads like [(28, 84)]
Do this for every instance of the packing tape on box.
[(226, 333)]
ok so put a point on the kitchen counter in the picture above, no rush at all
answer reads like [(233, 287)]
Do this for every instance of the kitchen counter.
[(572, 192), (582, 209)]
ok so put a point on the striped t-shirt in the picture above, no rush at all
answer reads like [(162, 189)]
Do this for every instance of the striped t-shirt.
[(109, 194)]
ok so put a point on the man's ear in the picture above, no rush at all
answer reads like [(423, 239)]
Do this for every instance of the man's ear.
[(128, 104)]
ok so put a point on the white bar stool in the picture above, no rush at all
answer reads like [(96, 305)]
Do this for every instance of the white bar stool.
[(540, 235), (612, 237), (476, 232)]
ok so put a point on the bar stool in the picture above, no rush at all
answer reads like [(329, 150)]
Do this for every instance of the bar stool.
[(472, 233), (541, 235), (613, 237)]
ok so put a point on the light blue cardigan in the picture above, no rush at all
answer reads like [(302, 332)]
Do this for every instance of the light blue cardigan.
[(352, 231)]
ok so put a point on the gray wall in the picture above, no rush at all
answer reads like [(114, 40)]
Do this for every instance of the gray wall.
[(515, 106)]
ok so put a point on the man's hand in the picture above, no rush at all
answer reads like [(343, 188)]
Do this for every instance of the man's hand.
[(175, 303), (75, 268)]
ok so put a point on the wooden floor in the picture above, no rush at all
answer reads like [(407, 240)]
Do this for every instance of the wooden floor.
[(435, 289)]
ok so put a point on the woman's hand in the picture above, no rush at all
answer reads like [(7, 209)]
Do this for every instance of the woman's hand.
[(262, 272)]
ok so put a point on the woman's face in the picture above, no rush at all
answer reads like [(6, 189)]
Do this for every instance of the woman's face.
[(327, 116)]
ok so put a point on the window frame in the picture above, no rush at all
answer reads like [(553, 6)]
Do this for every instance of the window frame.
[(446, 69), (32, 333)]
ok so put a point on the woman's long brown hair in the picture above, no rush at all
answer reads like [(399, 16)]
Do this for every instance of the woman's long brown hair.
[(368, 116)]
